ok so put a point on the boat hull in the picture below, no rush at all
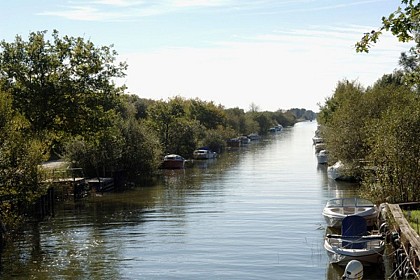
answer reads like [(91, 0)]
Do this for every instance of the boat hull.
[(339, 208), (322, 157), (173, 162), (204, 154), (342, 256)]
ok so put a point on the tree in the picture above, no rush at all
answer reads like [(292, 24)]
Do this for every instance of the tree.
[(63, 84), (20, 154), (207, 113), (143, 152), (236, 120), (264, 122), (162, 117), (342, 121), (404, 23), (395, 149), (98, 153)]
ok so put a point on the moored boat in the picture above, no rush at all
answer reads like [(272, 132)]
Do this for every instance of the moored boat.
[(337, 209), (319, 147), (355, 243), (204, 153), (322, 157), (173, 161), (244, 139), (254, 136), (234, 142), (339, 171)]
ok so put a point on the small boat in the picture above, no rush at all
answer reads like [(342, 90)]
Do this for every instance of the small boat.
[(337, 209), (234, 142), (101, 184), (338, 171), (173, 161), (319, 147), (254, 136), (204, 153), (276, 129), (244, 139), (322, 157), (317, 140), (355, 243)]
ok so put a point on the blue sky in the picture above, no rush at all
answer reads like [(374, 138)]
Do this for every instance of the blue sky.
[(275, 54)]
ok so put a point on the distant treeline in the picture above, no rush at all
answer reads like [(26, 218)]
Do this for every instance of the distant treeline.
[(58, 101)]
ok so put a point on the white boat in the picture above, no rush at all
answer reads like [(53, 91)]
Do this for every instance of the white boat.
[(317, 140), (254, 136), (338, 171), (204, 153), (276, 129), (355, 243), (244, 139), (337, 209), (319, 147), (322, 157)]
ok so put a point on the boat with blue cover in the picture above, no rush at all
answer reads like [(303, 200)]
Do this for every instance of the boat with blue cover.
[(355, 243)]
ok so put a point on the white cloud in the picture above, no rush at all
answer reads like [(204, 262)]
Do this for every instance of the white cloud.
[(117, 3), (279, 70), (116, 10), (85, 13), (200, 3)]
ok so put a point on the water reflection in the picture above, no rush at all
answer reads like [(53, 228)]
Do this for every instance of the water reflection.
[(342, 189), (252, 213)]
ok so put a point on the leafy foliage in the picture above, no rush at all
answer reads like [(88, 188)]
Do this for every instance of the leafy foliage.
[(20, 154), (376, 130), (58, 99), (403, 23), (63, 84)]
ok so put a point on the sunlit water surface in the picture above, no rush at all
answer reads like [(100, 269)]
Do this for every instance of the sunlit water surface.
[(253, 213)]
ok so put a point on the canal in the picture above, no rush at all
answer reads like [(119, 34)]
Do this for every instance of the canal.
[(253, 213)]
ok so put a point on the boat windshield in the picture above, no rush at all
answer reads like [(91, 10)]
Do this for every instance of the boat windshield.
[(349, 202)]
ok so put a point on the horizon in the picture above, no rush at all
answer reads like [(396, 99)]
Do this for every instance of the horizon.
[(272, 54)]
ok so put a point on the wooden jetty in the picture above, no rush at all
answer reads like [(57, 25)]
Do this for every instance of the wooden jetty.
[(66, 180), (101, 184), (406, 243)]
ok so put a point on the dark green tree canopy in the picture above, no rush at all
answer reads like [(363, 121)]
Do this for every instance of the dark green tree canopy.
[(65, 83)]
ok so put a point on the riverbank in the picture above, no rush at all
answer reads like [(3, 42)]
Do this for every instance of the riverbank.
[(405, 242)]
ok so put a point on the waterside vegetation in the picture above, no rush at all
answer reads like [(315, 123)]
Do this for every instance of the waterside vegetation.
[(59, 100), (375, 131)]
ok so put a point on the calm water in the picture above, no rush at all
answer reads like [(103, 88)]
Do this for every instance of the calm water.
[(253, 213)]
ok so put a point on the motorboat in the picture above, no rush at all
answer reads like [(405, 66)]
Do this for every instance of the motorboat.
[(244, 139), (355, 243), (338, 171), (234, 142), (337, 209), (254, 136), (204, 153), (322, 157), (173, 161), (319, 147), (276, 129)]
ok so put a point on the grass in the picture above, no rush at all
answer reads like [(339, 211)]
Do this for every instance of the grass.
[(413, 217)]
